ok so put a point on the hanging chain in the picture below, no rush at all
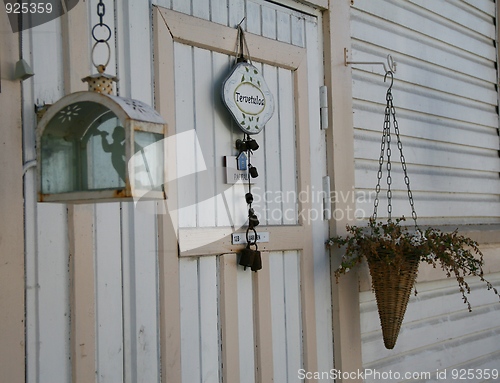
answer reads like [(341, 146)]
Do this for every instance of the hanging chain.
[(385, 147), (106, 31)]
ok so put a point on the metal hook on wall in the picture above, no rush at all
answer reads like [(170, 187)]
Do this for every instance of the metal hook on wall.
[(390, 66)]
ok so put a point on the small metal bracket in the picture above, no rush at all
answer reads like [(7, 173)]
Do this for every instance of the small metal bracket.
[(390, 66)]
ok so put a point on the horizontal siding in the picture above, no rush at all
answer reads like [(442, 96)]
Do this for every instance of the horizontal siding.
[(438, 331), (445, 97)]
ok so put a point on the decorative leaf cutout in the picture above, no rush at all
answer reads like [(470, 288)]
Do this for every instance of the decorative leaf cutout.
[(246, 68), (251, 80), (258, 118), (258, 82), (255, 71), (242, 122), (244, 115), (243, 78)]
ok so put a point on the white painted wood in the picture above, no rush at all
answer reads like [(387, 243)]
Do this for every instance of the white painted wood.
[(108, 275), (293, 325), (209, 319), (219, 11), (246, 325), (288, 147), (48, 311), (253, 20), (186, 159), (146, 282), (202, 101), (278, 315), (190, 320), (271, 152), (53, 295), (445, 98)]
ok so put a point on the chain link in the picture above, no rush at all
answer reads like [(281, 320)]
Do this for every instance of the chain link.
[(101, 11), (385, 149)]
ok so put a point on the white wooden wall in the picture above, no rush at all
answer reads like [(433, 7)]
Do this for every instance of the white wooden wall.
[(445, 97), (124, 248), (446, 103)]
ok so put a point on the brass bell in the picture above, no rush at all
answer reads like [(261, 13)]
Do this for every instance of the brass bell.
[(257, 261), (247, 255)]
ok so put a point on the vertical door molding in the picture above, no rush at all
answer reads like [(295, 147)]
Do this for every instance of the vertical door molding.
[(340, 152), (169, 300)]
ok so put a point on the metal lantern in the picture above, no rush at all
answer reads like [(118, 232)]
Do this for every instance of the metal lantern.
[(95, 147)]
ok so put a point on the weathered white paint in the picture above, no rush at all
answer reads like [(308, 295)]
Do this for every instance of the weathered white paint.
[(446, 104)]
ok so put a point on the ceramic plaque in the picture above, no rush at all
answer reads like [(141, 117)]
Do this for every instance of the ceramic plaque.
[(248, 98)]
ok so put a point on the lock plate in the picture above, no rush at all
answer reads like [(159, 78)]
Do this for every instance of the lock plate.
[(240, 239)]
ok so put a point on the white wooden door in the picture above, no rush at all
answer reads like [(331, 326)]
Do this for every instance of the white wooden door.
[(237, 325)]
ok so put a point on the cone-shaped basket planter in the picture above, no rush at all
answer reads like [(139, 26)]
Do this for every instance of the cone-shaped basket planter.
[(392, 284)]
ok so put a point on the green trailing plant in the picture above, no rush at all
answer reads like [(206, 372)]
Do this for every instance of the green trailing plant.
[(393, 244)]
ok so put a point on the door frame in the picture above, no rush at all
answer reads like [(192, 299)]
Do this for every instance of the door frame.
[(170, 27)]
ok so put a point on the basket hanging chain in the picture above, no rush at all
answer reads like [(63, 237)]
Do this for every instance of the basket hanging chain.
[(385, 149)]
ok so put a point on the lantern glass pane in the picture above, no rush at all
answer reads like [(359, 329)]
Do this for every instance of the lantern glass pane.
[(83, 151), (148, 167), (104, 154)]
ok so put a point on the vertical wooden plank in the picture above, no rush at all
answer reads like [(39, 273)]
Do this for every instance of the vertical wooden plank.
[(108, 275), (47, 53), (74, 25), (82, 292), (229, 318), (134, 28), (283, 25), (246, 325), (253, 20), (169, 297), (183, 6), (203, 89), (322, 276), (269, 22), (345, 296), (293, 325), (304, 181), (209, 319), (272, 151), (52, 300), (264, 370), (219, 11), (184, 114), (12, 320), (53, 296), (201, 9), (278, 316), (298, 32), (128, 294), (190, 319), (287, 145), (236, 12), (146, 298), (223, 144)]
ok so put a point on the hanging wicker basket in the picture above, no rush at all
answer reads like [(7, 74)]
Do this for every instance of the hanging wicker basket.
[(392, 284)]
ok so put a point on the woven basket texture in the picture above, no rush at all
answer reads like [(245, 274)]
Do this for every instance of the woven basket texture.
[(392, 285)]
